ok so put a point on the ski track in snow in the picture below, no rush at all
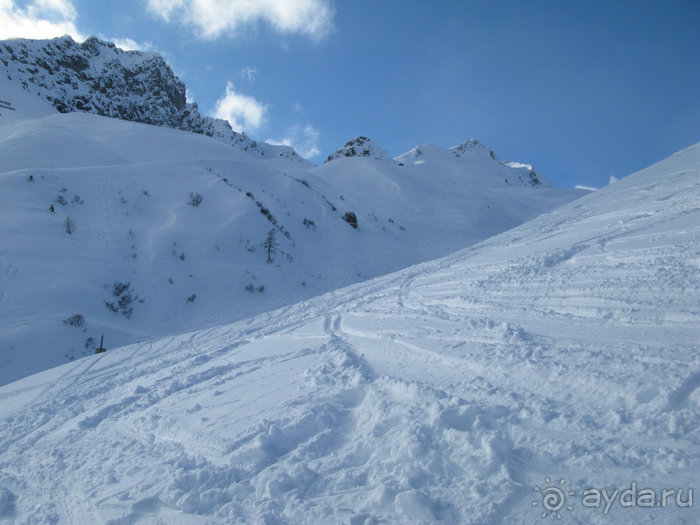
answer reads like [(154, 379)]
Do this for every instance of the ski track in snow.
[(566, 347)]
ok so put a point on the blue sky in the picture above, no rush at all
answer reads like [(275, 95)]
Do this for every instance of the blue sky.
[(585, 91)]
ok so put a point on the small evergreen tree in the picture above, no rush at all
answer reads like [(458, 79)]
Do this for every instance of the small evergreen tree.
[(69, 225), (270, 245)]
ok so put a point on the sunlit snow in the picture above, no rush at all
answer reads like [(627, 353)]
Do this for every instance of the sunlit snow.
[(505, 372), (562, 350)]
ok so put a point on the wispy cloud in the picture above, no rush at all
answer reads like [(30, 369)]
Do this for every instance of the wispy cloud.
[(212, 19), (303, 138), (613, 179), (39, 19), (129, 44), (582, 187), (249, 73), (243, 112)]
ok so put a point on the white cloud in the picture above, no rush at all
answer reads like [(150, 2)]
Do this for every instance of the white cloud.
[(613, 179), (39, 19), (582, 187), (244, 113), (215, 18), (304, 139)]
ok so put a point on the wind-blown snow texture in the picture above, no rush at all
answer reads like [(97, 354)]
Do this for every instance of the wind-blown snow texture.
[(167, 227), (458, 390)]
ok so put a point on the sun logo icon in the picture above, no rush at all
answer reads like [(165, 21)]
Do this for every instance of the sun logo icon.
[(553, 498)]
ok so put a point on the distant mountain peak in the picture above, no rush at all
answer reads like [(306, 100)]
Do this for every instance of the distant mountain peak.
[(361, 147), (98, 77), (473, 159), (472, 147)]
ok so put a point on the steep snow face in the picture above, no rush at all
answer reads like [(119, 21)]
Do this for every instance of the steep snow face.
[(558, 356), (89, 205), (473, 161), (97, 77), (361, 147)]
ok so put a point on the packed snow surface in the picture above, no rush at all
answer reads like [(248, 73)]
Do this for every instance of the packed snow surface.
[(561, 355)]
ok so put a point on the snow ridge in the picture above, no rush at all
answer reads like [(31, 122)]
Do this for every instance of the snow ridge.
[(98, 77), (474, 159)]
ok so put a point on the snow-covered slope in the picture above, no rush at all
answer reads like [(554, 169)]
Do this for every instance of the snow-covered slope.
[(554, 360), (182, 220), (98, 77)]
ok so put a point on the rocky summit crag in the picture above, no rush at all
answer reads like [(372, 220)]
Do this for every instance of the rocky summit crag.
[(98, 77), (361, 147)]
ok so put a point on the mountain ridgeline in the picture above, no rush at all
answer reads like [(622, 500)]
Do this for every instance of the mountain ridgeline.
[(98, 77), (471, 155)]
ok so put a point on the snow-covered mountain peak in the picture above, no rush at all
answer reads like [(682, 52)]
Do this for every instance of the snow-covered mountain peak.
[(98, 77), (473, 160), (361, 147), (418, 154), (471, 150), (472, 147)]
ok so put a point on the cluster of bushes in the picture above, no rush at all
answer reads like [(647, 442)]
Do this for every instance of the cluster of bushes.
[(76, 320), (195, 199), (350, 218), (124, 299)]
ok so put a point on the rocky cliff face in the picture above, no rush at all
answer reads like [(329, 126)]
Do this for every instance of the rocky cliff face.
[(98, 77)]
